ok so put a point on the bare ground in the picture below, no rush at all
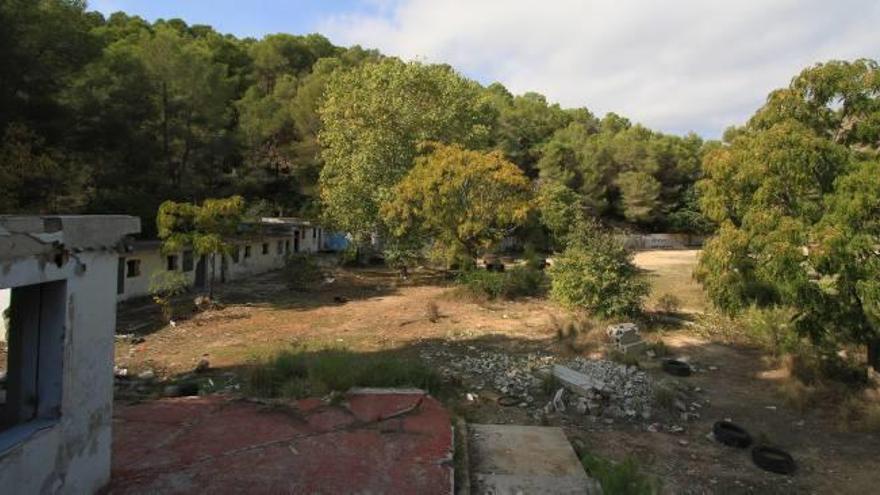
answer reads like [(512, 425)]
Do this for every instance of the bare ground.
[(373, 311)]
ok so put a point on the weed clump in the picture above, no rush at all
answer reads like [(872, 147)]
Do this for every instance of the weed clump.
[(518, 282), (298, 374), (623, 478)]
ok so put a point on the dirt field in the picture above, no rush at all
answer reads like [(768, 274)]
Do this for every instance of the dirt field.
[(373, 311)]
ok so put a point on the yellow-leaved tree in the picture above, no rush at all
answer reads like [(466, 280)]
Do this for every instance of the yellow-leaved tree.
[(462, 201)]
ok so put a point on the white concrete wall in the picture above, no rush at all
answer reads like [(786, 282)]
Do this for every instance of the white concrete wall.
[(70, 454), (257, 262), (152, 260), (4, 303)]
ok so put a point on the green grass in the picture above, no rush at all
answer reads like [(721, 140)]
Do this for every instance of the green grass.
[(301, 373), (624, 478)]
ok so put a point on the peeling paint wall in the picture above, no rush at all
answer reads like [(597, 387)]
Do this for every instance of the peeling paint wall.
[(70, 453)]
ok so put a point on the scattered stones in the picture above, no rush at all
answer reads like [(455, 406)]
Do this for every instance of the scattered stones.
[(148, 375), (120, 372), (626, 392)]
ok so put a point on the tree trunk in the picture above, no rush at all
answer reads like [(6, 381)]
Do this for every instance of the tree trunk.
[(874, 354), (211, 283)]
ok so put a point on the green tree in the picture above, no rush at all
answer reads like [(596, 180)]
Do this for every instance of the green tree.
[(596, 273), (795, 194), (640, 194), (463, 200), (561, 208), (205, 228), (373, 117)]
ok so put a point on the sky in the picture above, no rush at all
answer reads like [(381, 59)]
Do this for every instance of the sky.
[(673, 65)]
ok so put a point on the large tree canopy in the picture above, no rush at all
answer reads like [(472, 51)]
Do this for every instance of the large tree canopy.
[(462, 200), (796, 194), (373, 118)]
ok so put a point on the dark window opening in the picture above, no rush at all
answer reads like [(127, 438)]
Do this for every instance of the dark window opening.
[(187, 261), (286, 246), (34, 354), (247, 251), (265, 248), (279, 247), (236, 254), (171, 263), (132, 268), (314, 233)]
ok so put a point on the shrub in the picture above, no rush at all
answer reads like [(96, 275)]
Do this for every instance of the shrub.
[(164, 286), (302, 272), (432, 311), (669, 304), (596, 273), (482, 283), (772, 329), (622, 478), (520, 281), (300, 374)]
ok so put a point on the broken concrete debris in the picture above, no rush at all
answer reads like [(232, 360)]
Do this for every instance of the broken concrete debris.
[(626, 337)]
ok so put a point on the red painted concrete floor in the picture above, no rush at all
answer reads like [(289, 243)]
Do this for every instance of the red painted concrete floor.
[(373, 442)]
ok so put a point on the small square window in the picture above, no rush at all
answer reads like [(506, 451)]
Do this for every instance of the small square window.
[(187, 261), (171, 263), (132, 268), (265, 248), (247, 251)]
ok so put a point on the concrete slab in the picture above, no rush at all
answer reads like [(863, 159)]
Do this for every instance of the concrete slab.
[(511, 459), (575, 381), (374, 442)]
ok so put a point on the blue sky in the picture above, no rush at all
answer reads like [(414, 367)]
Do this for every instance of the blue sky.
[(243, 18), (675, 66)]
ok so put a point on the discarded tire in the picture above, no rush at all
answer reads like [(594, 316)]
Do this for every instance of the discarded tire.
[(773, 460), (676, 367), (731, 434)]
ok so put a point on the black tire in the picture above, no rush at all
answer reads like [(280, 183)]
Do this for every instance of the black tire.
[(676, 367), (773, 460), (731, 434)]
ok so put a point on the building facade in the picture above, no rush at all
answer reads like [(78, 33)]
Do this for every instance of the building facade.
[(57, 398)]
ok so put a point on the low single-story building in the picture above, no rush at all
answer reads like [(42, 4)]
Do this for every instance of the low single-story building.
[(56, 404), (260, 247)]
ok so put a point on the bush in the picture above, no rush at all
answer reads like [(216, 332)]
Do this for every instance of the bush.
[(669, 304), (520, 281), (596, 273), (622, 478), (772, 329), (302, 272), (299, 374), (164, 286)]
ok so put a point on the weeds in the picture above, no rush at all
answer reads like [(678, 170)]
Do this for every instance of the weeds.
[(669, 304), (623, 358), (624, 478), (298, 374), (665, 395), (432, 311), (520, 281)]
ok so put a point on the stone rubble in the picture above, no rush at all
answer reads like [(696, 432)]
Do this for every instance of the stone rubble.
[(627, 392)]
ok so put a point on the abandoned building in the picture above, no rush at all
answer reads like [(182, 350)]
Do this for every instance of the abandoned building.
[(262, 246), (57, 398)]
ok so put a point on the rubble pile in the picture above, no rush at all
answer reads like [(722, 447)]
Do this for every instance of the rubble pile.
[(616, 390)]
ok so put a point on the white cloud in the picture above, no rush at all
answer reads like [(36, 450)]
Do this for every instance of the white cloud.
[(675, 65)]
